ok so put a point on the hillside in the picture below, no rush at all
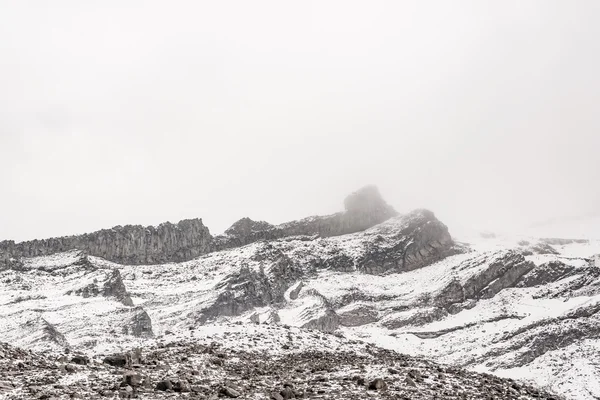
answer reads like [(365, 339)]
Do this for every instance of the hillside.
[(360, 293)]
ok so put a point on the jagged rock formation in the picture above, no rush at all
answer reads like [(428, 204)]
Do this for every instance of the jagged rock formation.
[(113, 287), (363, 209), (135, 244), (137, 323), (413, 241), (243, 232), (404, 243), (131, 244)]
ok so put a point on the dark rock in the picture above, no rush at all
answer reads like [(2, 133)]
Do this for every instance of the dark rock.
[(294, 293), (287, 393), (164, 385), (133, 379), (230, 392), (137, 323), (360, 315), (70, 368), (119, 360), (80, 360), (415, 240), (328, 322), (114, 287), (548, 272), (182, 386), (255, 318), (377, 384)]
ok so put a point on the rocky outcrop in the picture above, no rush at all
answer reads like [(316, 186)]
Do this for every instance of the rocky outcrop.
[(328, 322), (113, 287), (531, 341), (131, 244), (402, 244), (135, 244), (363, 209), (361, 314), (548, 272), (413, 240), (539, 248), (296, 290), (249, 288), (43, 331), (418, 318), (504, 271), (245, 230), (137, 323)]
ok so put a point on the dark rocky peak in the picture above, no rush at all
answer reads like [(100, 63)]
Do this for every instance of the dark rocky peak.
[(363, 209), (246, 226)]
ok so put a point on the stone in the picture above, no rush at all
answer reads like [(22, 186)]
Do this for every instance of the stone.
[(230, 392), (377, 384), (80, 360), (114, 287), (182, 386), (164, 385), (132, 379), (70, 368), (137, 323), (254, 318), (118, 360), (287, 393)]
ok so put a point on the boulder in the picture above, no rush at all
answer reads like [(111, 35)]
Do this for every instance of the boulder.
[(377, 384)]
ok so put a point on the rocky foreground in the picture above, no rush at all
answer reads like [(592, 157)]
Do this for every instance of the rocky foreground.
[(247, 362)]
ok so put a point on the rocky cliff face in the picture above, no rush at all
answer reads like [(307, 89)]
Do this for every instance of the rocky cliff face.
[(412, 241), (188, 239), (124, 244)]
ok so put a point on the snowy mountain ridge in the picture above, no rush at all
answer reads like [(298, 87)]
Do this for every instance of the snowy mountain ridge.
[(524, 309)]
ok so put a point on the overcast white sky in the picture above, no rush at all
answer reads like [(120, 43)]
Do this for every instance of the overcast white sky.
[(117, 112)]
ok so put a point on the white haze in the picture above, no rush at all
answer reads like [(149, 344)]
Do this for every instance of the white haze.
[(119, 112)]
